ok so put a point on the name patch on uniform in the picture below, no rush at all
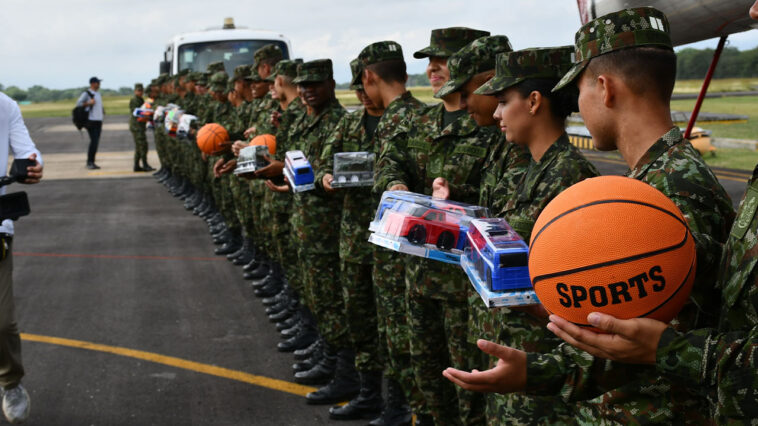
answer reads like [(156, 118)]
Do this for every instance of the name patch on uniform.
[(420, 145), (747, 212), (475, 151)]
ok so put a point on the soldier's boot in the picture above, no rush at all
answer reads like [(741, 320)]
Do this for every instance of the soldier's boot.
[(193, 201), (397, 412), (424, 420), (307, 336), (308, 352), (283, 305), (223, 237), (271, 275), (288, 333), (137, 167), (307, 364), (367, 405), (284, 295), (270, 289), (247, 253), (286, 312), (344, 386), (288, 323), (202, 206), (231, 256), (322, 372), (251, 265), (146, 167), (216, 229), (159, 174), (187, 190), (232, 245), (260, 272)]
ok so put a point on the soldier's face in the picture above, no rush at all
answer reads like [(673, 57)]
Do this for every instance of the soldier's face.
[(317, 94), (512, 115), (437, 72), (370, 87), (260, 89), (201, 90), (754, 11), (480, 107), (264, 70), (189, 86), (593, 111), (139, 92), (367, 103)]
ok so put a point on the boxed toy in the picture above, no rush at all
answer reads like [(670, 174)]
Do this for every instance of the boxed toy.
[(496, 262), (251, 158), (185, 123), (423, 226), (298, 171), (353, 169)]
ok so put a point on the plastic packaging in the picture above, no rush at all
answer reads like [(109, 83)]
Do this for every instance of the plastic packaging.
[(423, 226), (171, 121), (496, 262), (298, 171), (251, 158), (353, 169), (185, 123)]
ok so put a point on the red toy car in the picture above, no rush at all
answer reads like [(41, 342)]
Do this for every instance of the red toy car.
[(423, 225)]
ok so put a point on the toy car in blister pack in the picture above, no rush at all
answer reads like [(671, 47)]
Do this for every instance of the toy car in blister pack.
[(496, 262), (144, 114), (423, 226), (159, 112), (298, 171), (185, 123), (352, 169), (171, 122), (251, 158)]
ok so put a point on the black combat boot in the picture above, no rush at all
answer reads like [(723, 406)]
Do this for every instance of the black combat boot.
[(323, 372), (289, 323), (234, 243), (396, 412), (344, 386), (307, 364), (247, 253), (424, 420), (307, 336), (137, 168), (367, 405), (306, 353), (260, 272), (283, 296), (146, 167)]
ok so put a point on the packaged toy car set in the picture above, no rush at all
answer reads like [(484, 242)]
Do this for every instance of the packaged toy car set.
[(353, 169), (251, 158)]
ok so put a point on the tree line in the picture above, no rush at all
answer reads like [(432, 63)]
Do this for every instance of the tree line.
[(39, 93)]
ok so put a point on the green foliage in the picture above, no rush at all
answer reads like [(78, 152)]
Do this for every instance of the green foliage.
[(744, 105), (694, 63), (114, 105), (39, 93)]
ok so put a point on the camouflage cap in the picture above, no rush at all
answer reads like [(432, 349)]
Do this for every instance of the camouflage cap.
[(446, 41), (254, 76), (139, 86), (194, 76), (183, 72), (216, 67), (285, 67), (218, 81), (477, 56), (377, 52), (314, 71), (268, 52), (514, 67), (641, 26), (242, 72), (356, 69), (202, 80)]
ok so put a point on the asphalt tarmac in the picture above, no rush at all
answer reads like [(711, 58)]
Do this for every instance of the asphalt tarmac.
[(129, 319)]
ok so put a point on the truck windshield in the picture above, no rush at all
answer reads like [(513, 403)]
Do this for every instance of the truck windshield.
[(197, 56)]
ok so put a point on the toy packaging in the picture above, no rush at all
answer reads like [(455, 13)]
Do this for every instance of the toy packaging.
[(496, 262), (251, 158), (185, 121), (171, 120), (298, 171), (353, 169), (423, 226)]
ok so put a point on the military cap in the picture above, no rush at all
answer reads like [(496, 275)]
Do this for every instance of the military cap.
[(162, 78), (202, 80), (477, 56), (184, 72), (194, 76), (377, 52), (216, 67), (286, 68), (241, 72), (514, 67), (637, 27), (268, 52), (446, 41), (357, 70), (314, 71), (139, 86)]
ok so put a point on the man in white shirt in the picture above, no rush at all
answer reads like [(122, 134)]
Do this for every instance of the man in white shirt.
[(91, 99), (15, 140)]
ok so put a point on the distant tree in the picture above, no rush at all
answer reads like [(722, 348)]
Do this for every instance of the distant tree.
[(694, 63), (1, 87), (16, 93)]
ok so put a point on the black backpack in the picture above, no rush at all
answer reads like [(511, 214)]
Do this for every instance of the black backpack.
[(80, 114)]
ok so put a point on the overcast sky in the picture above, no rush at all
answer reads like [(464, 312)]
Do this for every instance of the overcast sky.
[(61, 43)]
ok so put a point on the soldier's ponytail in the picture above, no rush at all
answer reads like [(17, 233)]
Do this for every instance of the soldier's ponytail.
[(562, 102)]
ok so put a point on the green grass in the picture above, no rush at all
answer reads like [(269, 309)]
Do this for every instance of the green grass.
[(741, 159), (746, 105), (114, 105), (424, 94), (720, 85)]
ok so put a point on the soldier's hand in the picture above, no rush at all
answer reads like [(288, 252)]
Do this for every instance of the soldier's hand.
[(440, 188), (326, 181), (632, 341), (204, 156), (276, 188), (398, 187), (275, 117), (237, 147), (33, 173), (228, 167), (273, 169), (217, 167), (249, 131), (508, 375)]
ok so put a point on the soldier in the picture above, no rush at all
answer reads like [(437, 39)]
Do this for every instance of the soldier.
[(383, 79), (624, 91), (138, 129), (443, 147), (354, 133)]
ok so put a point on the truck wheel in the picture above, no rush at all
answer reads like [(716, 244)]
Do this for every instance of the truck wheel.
[(446, 241), (417, 235)]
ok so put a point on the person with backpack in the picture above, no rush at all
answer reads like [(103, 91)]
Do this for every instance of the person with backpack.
[(92, 102)]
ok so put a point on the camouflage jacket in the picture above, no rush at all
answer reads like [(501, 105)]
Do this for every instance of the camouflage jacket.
[(359, 206), (288, 122), (221, 114), (315, 212), (634, 393), (203, 106), (189, 104), (261, 116), (721, 363), (504, 168), (134, 103), (240, 118)]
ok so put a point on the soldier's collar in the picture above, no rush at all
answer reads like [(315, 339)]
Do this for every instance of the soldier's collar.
[(662, 145)]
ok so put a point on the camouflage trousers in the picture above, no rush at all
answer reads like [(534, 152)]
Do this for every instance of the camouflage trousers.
[(388, 276), (160, 146), (436, 325), (324, 295), (222, 196), (360, 313), (285, 253), (258, 192), (140, 140), (242, 201)]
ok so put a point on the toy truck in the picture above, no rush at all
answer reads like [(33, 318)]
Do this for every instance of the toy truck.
[(353, 169), (251, 158), (298, 171)]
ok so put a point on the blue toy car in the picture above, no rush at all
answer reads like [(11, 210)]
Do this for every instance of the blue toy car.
[(498, 255), (299, 168)]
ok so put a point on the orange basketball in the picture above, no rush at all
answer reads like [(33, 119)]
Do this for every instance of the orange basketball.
[(212, 138), (268, 139), (614, 245)]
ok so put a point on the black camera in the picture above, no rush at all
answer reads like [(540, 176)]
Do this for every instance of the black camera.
[(15, 205)]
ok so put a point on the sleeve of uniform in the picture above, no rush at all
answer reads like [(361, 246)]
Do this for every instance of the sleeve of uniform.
[(133, 104), (332, 145), (391, 166)]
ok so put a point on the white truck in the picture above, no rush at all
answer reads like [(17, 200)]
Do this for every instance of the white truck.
[(232, 45)]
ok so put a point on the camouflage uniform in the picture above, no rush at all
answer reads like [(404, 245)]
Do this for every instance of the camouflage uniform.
[(221, 187), (138, 129), (720, 362), (314, 214), (637, 393), (388, 273), (240, 190)]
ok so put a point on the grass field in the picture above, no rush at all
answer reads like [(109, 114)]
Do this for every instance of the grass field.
[(115, 105), (424, 94), (721, 85), (746, 105)]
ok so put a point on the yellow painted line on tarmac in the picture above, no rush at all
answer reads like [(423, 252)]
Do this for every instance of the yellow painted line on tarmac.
[(211, 370)]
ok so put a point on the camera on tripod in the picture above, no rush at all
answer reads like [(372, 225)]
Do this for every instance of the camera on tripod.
[(16, 204)]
